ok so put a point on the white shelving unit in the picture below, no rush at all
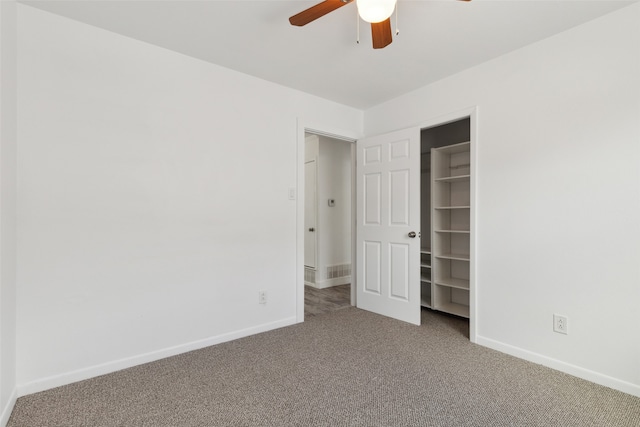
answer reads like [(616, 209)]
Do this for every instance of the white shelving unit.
[(425, 233), (425, 277), (450, 228)]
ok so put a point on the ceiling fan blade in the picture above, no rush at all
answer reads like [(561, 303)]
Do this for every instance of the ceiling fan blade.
[(381, 34), (317, 11)]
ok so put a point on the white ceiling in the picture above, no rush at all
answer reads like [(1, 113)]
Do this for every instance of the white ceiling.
[(437, 38)]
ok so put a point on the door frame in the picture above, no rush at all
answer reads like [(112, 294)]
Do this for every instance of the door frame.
[(350, 137), (315, 213)]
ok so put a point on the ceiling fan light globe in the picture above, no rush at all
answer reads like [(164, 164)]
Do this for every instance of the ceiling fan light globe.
[(375, 11)]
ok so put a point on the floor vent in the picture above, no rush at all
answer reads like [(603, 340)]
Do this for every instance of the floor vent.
[(342, 270), (309, 275)]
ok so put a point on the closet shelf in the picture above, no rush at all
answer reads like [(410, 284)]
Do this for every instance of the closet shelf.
[(460, 166), (453, 231), (453, 308), (453, 283), (425, 251), (425, 265), (457, 178), (452, 207), (457, 257)]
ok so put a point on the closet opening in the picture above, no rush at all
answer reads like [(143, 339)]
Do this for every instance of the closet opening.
[(445, 218)]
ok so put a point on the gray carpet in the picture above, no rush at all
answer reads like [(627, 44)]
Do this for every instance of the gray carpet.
[(346, 368)]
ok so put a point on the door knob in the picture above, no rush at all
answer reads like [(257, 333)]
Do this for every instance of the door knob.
[(312, 229), (412, 234)]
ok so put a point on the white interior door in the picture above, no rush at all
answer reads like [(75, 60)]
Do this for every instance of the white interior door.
[(388, 209), (310, 214)]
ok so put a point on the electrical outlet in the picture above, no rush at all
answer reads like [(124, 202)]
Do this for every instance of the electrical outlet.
[(560, 324), (262, 297)]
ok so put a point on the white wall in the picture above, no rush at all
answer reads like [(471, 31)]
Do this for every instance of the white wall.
[(153, 200), (8, 130), (558, 194), (334, 223)]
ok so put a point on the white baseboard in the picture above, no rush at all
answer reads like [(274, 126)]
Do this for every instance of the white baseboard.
[(117, 365), (8, 408), (337, 281), (568, 368)]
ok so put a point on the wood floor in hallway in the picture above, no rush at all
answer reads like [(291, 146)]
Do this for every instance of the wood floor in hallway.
[(320, 301)]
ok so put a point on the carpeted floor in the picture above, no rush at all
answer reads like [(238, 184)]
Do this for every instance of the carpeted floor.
[(345, 368)]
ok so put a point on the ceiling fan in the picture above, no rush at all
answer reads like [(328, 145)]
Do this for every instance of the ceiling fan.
[(376, 12)]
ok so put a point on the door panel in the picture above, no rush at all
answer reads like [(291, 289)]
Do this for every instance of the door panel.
[(371, 267), (388, 206), (372, 196), (399, 197), (399, 271)]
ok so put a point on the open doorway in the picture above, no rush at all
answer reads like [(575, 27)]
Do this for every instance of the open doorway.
[(328, 231), (445, 217)]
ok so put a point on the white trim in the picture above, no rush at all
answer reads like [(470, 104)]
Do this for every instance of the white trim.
[(568, 368), (473, 243), (354, 224), (315, 255), (304, 126), (109, 367), (337, 281), (8, 409)]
